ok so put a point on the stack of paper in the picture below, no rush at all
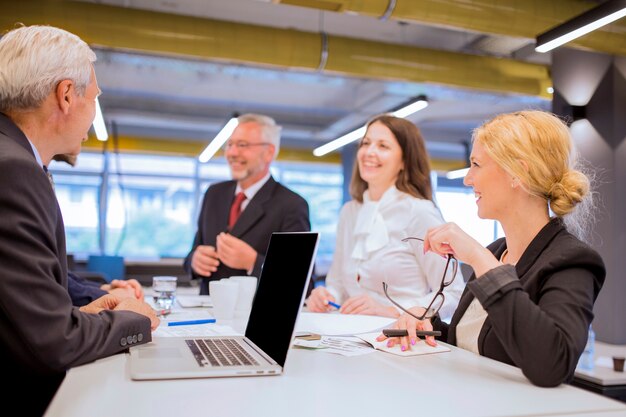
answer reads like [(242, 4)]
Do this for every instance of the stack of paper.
[(340, 324), (366, 328)]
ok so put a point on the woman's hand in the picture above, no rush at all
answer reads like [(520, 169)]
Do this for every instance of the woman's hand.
[(410, 324), (364, 304), (450, 239), (318, 300)]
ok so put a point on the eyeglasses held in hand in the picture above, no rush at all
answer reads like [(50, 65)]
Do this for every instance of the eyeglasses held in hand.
[(439, 298)]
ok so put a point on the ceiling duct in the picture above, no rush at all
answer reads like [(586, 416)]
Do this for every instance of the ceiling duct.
[(518, 18), (168, 34)]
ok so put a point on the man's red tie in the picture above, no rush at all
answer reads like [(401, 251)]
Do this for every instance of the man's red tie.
[(235, 209)]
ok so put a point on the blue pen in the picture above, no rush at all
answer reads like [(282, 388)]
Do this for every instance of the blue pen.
[(337, 306), (189, 322)]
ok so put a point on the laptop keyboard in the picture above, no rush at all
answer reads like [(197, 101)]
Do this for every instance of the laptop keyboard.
[(219, 352)]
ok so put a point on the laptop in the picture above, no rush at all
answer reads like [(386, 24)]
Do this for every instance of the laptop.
[(263, 350)]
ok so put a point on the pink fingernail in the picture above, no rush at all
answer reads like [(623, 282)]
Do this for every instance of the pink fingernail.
[(403, 348), (389, 344), (413, 341)]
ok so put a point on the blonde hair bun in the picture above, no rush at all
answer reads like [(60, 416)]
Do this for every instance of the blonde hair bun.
[(565, 194)]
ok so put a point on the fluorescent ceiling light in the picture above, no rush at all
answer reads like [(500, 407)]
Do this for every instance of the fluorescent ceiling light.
[(457, 173), (420, 103), (98, 124), (589, 21), (339, 142), (219, 140)]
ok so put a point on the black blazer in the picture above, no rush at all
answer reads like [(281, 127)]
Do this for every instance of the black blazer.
[(539, 311), (274, 208), (41, 333)]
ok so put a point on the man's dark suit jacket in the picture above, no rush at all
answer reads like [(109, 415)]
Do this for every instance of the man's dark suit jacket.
[(539, 311), (82, 291), (274, 208), (41, 333)]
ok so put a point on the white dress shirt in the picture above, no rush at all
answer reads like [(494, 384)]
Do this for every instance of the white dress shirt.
[(251, 191), (370, 250)]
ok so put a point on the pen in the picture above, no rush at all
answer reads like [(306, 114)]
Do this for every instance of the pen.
[(189, 322), (337, 306), (403, 332)]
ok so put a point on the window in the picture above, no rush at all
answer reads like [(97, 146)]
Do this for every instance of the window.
[(150, 217), (78, 198), (458, 205), (151, 209), (321, 186)]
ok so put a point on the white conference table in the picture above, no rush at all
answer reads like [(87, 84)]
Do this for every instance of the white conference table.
[(315, 383)]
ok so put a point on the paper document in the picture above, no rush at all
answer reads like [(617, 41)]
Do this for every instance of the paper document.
[(195, 330), (335, 324), (345, 346), (420, 348), (198, 330)]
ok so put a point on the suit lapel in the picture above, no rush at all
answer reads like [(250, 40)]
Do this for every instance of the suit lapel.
[(537, 246), (255, 209), (530, 255)]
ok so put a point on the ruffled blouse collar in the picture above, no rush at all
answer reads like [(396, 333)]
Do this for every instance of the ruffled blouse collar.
[(370, 230)]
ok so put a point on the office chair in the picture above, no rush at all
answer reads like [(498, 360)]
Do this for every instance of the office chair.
[(111, 267)]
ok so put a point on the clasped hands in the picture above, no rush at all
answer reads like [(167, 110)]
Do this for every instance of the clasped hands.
[(360, 304), (130, 288), (112, 302), (229, 250)]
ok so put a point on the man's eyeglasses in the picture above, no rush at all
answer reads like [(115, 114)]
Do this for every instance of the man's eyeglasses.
[(243, 145), (435, 305)]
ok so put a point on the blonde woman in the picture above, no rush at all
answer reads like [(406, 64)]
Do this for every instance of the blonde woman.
[(531, 299)]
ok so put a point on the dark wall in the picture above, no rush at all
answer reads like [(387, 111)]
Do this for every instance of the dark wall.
[(598, 82)]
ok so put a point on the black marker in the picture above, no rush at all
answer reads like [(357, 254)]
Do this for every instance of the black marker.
[(403, 332)]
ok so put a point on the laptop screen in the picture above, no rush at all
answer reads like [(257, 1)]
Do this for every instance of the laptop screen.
[(280, 293)]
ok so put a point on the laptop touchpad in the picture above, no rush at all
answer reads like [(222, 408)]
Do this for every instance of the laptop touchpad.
[(160, 353)]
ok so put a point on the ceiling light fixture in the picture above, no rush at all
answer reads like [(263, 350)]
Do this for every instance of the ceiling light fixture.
[(416, 104), (462, 172), (589, 21), (219, 139), (457, 173), (98, 124)]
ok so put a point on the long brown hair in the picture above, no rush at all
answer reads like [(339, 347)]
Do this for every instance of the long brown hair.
[(414, 178)]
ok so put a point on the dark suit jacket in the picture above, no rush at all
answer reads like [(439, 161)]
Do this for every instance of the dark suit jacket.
[(41, 333), (539, 311), (82, 291), (274, 208)]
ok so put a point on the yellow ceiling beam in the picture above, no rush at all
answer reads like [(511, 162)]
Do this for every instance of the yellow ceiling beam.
[(193, 148), (381, 60), (162, 33), (517, 18)]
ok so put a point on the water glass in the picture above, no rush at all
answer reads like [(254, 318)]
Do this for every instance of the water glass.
[(164, 291)]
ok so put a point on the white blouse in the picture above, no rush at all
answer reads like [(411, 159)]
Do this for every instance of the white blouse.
[(468, 328), (370, 251)]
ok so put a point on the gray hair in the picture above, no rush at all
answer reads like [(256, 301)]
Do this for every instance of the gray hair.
[(34, 59), (269, 129)]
